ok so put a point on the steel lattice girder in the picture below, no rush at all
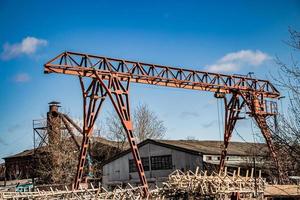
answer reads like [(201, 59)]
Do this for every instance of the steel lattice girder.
[(139, 72), (115, 71)]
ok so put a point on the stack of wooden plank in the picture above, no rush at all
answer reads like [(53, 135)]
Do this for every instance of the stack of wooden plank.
[(216, 185)]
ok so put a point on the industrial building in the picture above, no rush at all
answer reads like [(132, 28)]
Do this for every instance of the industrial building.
[(57, 126), (19, 166), (161, 157)]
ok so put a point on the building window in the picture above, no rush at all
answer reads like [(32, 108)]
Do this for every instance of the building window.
[(145, 162), (209, 158), (161, 162)]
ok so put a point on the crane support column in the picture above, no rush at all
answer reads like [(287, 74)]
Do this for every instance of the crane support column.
[(118, 92), (265, 130), (93, 98), (260, 109), (260, 113), (232, 111)]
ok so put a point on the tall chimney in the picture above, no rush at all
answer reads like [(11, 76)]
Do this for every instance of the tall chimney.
[(54, 123)]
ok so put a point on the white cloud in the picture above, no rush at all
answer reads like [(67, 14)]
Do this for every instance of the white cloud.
[(21, 78), (236, 60), (28, 46)]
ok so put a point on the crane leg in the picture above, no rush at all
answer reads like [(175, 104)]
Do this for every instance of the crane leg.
[(265, 130), (259, 111), (93, 98), (232, 110), (118, 91)]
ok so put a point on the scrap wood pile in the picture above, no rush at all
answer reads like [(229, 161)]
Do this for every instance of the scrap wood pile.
[(218, 185), (197, 185), (94, 193)]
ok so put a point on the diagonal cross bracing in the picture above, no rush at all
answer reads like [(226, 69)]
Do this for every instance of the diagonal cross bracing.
[(114, 75), (139, 72)]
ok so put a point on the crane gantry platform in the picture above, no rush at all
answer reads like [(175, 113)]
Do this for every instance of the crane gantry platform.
[(102, 77)]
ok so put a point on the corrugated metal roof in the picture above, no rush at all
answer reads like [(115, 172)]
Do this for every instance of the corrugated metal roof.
[(204, 147)]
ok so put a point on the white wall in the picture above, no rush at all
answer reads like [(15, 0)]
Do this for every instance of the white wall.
[(230, 159), (117, 171)]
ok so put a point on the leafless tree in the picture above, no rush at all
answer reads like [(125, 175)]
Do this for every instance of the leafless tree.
[(115, 131), (146, 124), (286, 129), (56, 162), (56, 155)]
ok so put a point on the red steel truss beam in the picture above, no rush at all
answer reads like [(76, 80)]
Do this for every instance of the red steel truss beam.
[(139, 72), (113, 76)]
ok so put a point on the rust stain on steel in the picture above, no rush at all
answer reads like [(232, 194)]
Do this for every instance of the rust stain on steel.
[(139, 72)]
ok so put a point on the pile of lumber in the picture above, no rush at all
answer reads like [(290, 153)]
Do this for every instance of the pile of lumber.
[(180, 185), (93, 193), (215, 185)]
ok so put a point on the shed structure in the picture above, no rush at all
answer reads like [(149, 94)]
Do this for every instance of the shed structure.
[(161, 157)]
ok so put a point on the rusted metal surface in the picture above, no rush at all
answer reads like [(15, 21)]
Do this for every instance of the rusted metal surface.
[(112, 77), (258, 110), (66, 117), (93, 97), (139, 72), (118, 92), (44, 129), (70, 130), (232, 107)]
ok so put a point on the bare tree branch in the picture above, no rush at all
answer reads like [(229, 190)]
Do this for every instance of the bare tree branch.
[(286, 129), (146, 124)]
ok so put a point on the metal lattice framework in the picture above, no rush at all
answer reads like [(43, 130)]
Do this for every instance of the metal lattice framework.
[(139, 72), (40, 130), (110, 77)]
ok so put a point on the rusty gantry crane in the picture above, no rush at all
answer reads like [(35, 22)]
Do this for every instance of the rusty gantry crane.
[(102, 77)]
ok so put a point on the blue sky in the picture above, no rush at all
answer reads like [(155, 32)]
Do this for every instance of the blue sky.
[(233, 37)]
